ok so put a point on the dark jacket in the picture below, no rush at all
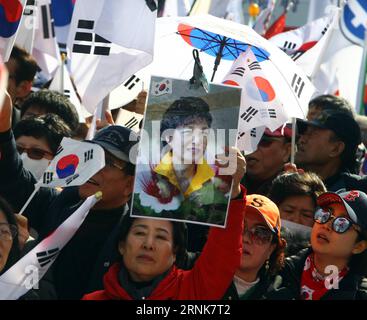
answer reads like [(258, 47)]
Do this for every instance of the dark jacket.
[(258, 292), (207, 280), (83, 260), (351, 287), (347, 181)]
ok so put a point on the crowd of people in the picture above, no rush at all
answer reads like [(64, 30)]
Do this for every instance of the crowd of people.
[(258, 255)]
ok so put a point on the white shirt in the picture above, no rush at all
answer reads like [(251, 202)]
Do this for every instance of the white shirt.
[(243, 286)]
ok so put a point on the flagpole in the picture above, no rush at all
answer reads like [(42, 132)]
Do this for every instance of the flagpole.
[(293, 145), (105, 103), (36, 188), (362, 78), (192, 7), (62, 84)]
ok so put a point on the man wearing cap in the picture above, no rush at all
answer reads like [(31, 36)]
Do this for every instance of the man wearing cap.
[(327, 146), (263, 165), (330, 102), (81, 262), (262, 250), (335, 267)]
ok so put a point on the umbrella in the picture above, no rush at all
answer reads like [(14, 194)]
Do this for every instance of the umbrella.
[(221, 41), (216, 45)]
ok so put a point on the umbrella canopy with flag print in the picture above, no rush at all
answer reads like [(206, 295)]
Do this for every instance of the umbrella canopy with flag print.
[(173, 57), (177, 37), (216, 45), (220, 42)]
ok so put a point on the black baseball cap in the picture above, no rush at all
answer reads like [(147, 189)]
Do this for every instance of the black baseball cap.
[(118, 141), (342, 124), (354, 201)]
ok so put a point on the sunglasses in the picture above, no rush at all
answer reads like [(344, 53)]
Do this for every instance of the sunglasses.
[(339, 225), (259, 234), (34, 153)]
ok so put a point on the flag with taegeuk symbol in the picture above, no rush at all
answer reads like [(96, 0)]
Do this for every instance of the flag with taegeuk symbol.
[(26, 273), (74, 164), (11, 13), (109, 40), (259, 102)]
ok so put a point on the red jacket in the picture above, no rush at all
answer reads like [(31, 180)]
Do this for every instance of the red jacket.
[(207, 280)]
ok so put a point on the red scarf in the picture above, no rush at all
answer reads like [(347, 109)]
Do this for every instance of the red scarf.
[(313, 284)]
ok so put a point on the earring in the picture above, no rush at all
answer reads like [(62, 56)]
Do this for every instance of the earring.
[(267, 265)]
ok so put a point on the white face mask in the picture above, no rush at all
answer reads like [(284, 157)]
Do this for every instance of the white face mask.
[(36, 167)]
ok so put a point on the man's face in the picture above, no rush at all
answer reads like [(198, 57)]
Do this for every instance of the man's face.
[(268, 159), (17, 91), (12, 85), (115, 184), (315, 146), (189, 142)]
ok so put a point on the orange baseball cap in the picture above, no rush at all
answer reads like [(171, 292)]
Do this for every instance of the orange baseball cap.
[(267, 209)]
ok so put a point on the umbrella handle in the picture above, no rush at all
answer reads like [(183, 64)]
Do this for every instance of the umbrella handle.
[(195, 53), (198, 77)]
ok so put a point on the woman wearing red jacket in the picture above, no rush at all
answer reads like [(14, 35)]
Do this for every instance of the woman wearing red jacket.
[(150, 248)]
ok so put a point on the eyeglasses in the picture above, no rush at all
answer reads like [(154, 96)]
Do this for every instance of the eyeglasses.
[(34, 153), (112, 164), (259, 234), (7, 231), (339, 225)]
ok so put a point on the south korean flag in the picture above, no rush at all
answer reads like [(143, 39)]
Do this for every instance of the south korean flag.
[(162, 87), (259, 103), (45, 49), (247, 141), (110, 40)]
